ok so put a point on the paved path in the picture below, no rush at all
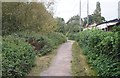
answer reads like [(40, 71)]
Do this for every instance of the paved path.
[(61, 64)]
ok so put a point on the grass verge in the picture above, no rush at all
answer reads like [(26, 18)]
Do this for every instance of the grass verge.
[(80, 66), (42, 63)]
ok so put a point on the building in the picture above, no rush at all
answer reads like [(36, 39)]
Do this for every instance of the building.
[(119, 9), (107, 26)]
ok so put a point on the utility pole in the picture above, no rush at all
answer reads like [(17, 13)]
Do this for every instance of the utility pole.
[(80, 17), (87, 12), (119, 10)]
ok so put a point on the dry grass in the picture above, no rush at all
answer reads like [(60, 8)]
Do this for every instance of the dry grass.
[(80, 66), (42, 63)]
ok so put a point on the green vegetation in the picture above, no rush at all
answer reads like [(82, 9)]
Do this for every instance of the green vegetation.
[(61, 25), (19, 16), (28, 32), (19, 51), (72, 28), (42, 44), (17, 57), (80, 66), (42, 63), (102, 50), (96, 17), (72, 36), (57, 38)]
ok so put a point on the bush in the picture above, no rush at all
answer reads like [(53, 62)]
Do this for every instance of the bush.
[(102, 49), (49, 41), (47, 44), (72, 36), (57, 38), (43, 44), (19, 50), (17, 57), (116, 28)]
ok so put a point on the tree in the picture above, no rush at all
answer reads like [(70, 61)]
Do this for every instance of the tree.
[(60, 25), (73, 25), (97, 14), (32, 16), (49, 4)]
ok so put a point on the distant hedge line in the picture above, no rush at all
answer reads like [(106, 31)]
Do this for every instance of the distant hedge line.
[(102, 50), (19, 51)]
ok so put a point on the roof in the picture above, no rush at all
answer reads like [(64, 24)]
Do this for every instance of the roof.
[(114, 20), (108, 23)]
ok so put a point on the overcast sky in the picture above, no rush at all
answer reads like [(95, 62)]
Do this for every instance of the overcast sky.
[(68, 8)]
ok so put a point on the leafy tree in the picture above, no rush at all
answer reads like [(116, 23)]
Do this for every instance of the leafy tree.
[(73, 25), (60, 24), (95, 17), (32, 16), (97, 14)]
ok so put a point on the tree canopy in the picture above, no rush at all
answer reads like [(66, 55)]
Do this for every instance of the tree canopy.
[(97, 14), (33, 16)]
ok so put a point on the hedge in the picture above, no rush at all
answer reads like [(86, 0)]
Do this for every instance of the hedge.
[(102, 50)]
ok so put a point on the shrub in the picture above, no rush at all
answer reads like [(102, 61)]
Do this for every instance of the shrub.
[(57, 38), (17, 57), (102, 49), (72, 36), (43, 44), (19, 50), (116, 28), (47, 45)]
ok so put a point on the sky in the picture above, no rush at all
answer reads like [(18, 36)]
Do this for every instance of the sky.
[(68, 8)]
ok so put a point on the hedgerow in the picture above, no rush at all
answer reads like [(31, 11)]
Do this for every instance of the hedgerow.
[(102, 50), (17, 57)]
